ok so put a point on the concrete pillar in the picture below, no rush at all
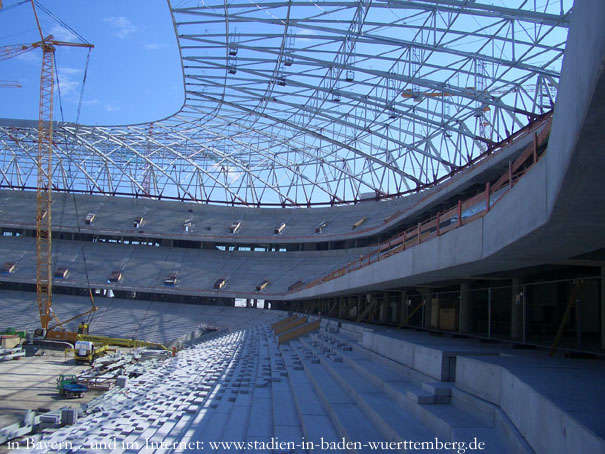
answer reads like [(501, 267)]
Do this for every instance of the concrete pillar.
[(398, 307), (385, 309), (425, 310), (603, 307), (516, 314), (467, 316)]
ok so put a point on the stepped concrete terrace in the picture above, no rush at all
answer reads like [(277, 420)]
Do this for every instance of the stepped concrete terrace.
[(323, 388), (550, 404), (159, 322), (144, 268)]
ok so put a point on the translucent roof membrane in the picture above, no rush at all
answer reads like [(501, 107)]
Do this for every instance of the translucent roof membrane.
[(301, 103)]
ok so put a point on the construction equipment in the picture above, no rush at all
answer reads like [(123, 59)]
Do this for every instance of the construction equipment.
[(44, 273), (130, 343), (87, 351), (12, 331), (10, 84), (68, 386), (420, 96), (358, 223), (44, 185), (83, 328)]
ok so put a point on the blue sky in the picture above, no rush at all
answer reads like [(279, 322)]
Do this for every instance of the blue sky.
[(134, 73)]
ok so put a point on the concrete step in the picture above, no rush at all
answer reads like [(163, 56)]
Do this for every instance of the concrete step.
[(229, 405), (382, 377), (286, 422), (315, 422), (392, 421), (350, 422), (240, 392), (404, 371), (448, 422), (494, 416)]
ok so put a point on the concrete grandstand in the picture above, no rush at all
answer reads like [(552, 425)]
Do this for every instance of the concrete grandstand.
[(418, 316)]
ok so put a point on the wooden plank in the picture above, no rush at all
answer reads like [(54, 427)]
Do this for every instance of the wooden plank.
[(299, 331), (283, 320), (570, 304), (288, 326)]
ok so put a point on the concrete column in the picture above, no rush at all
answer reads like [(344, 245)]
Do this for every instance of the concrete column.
[(399, 303), (385, 309), (467, 316), (425, 311), (516, 314), (603, 307)]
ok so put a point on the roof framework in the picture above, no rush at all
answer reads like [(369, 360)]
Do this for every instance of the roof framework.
[(297, 103)]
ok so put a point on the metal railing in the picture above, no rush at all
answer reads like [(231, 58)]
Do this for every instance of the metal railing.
[(464, 212)]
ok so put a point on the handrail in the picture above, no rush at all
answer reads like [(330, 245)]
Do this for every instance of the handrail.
[(451, 218)]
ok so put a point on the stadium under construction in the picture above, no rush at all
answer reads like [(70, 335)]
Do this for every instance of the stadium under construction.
[(372, 226)]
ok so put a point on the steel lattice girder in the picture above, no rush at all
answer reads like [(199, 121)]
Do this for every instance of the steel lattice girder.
[(303, 103)]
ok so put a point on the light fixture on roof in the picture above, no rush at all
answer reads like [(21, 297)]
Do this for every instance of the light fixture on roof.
[(116, 276), (220, 283), (321, 226), (263, 285), (8, 268), (62, 273), (235, 226), (171, 280), (138, 222)]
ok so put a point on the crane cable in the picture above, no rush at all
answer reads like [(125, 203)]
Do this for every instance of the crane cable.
[(60, 22), (77, 123)]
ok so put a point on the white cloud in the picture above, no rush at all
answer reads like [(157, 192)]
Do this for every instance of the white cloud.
[(121, 25), (69, 82), (111, 108), (61, 33), (70, 71), (154, 46), (31, 57), (300, 36), (67, 85)]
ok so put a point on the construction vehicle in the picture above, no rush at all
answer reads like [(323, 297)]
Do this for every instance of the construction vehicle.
[(87, 351), (13, 332), (68, 386)]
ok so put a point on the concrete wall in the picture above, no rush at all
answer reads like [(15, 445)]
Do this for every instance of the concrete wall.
[(547, 428)]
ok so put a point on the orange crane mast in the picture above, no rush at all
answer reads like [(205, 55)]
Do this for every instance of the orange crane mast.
[(44, 185)]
